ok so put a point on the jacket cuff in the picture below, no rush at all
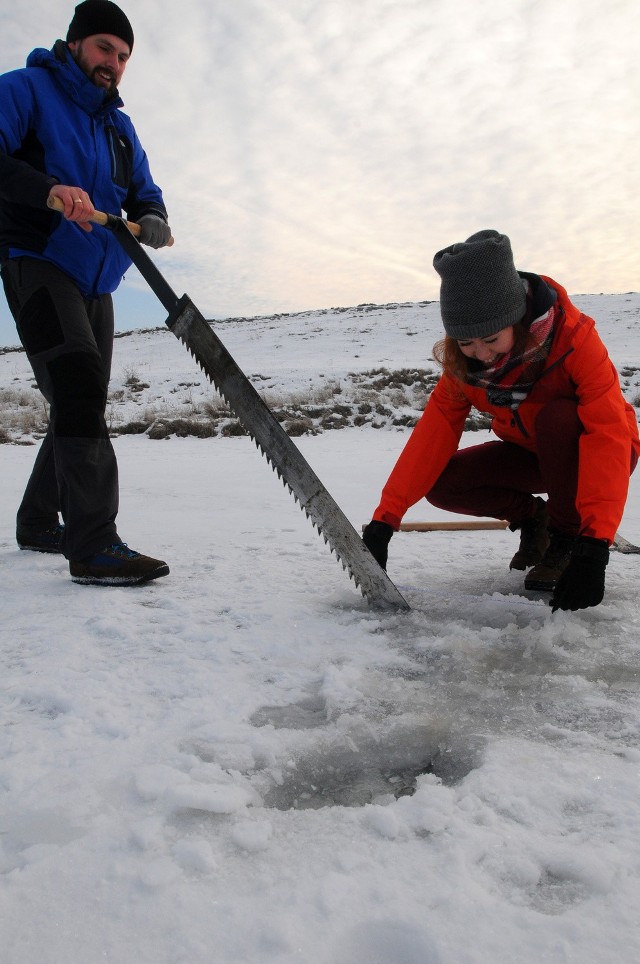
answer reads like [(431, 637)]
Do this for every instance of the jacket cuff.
[(391, 520)]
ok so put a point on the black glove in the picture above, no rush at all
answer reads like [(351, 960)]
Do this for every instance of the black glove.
[(376, 537), (582, 583), (154, 231)]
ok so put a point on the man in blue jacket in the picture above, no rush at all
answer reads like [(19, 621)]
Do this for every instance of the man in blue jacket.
[(63, 135)]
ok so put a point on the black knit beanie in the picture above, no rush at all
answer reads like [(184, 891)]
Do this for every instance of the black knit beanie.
[(99, 16), (480, 292)]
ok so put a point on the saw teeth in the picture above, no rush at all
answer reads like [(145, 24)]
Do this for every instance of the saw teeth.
[(211, 365)]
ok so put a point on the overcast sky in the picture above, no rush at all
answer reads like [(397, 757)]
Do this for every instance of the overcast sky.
[(315, 153)]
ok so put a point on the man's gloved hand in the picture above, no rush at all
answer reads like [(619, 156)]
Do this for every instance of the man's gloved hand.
[(376, 537), (582, 583), (154, 231)]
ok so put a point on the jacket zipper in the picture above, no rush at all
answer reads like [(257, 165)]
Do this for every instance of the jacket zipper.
[(517, 421)]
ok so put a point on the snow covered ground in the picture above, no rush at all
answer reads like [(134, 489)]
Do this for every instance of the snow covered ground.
[(243, 762)]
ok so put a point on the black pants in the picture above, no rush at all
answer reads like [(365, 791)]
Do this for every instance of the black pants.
[(69, 341)]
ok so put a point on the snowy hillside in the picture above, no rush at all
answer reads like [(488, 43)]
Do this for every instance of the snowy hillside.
[(243, 762), (317, 370)]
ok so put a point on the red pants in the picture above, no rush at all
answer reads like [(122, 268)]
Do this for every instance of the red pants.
[(499, 479)]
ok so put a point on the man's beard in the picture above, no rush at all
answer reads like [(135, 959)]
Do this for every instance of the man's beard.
[(110, 89)]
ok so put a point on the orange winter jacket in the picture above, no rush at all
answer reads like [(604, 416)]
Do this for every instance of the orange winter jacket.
[(578, 367)]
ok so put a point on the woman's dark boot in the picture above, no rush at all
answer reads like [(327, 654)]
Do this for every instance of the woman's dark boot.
[(545, 575), (534, 538)]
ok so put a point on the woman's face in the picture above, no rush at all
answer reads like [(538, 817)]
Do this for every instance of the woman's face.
[(488, 350)]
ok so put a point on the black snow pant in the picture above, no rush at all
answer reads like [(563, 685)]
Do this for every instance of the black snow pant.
[(69, 342)]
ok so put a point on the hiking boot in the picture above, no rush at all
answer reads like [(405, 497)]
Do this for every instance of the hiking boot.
[(534, 538), (117, 565), (41, 540), (545, 575)]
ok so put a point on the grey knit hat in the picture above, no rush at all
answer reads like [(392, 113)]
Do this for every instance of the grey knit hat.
[(99, 16), (480, 292)]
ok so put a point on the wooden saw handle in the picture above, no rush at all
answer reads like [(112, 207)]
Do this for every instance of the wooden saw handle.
[(466, 525), (99, 217), (453, 526)]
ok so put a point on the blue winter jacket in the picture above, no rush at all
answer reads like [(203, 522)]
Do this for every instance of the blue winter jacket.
[(56, 126)]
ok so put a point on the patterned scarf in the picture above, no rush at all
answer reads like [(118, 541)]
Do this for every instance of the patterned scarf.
[(510, 380)]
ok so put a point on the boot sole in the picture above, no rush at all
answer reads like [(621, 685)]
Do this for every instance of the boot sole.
[(90, 580), (41, 549), (540, 586)]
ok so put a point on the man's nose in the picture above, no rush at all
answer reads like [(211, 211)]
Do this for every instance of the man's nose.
[(112, 61)]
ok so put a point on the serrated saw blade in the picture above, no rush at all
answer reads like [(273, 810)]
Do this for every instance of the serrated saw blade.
[(190, 327), (284, 456)]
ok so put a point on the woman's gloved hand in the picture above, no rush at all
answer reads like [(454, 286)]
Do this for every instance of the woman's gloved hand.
[(376, 537), (582, 583)]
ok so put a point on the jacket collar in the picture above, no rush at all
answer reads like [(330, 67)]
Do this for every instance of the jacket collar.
[(73, 80), (543, 296)]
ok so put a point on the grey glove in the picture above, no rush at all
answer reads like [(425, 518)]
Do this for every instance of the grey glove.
[(154, 231)]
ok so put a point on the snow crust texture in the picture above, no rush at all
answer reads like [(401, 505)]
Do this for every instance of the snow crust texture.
[(243, 762)]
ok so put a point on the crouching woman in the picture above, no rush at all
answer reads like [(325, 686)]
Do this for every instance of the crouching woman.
[(516, 348)]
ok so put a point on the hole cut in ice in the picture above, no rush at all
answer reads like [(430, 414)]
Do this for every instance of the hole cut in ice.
[(359, 769)]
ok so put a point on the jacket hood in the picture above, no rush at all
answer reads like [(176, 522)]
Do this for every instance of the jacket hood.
[(543, 295), (73, 80)]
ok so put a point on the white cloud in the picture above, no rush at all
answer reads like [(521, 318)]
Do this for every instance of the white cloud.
[(318, 153)]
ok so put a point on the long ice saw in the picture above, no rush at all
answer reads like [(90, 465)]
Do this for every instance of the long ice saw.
[(188, 325)]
